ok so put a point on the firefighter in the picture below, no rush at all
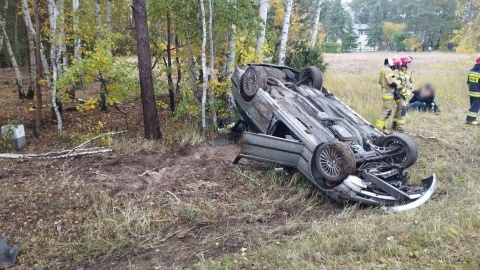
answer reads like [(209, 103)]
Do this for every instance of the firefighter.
[(389, 84), (474, 93), (404, 92)]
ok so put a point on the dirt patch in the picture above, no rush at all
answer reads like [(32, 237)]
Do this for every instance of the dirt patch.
[(128, 174)]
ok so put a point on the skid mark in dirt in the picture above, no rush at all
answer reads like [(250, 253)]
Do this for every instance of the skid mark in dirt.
[(128, 174)]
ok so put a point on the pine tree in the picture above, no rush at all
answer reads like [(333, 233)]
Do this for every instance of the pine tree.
[(375, 34), (349, 38), (335, 21)]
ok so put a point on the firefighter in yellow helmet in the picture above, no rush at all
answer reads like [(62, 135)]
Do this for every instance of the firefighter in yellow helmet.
[(389, 84), (403, 93)]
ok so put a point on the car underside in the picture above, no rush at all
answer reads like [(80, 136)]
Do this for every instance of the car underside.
[(294, 122)]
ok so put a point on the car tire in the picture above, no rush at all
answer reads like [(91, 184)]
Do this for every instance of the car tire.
[(253, 79), (408, 153), (311, 76), (335, 161)]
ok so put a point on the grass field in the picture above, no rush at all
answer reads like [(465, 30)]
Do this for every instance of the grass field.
[(196, 210)]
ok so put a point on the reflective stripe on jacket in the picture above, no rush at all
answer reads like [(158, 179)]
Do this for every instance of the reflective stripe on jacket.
[(387, 77), (474, 81)]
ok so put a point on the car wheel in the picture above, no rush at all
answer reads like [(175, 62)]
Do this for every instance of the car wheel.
[(311, 76), (335, 161), (253, 79), (407, 153)]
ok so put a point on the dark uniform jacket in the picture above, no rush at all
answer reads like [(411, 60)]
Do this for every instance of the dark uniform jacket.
[(474, 81), (428, 100)]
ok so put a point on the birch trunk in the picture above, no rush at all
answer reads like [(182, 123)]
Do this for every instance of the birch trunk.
[(316, 19), (78, 45), (2, 21), (61, 28), (54, 57), (98, 19), (204, 66), (109, 17), (38, 92), (263, 10), (21, 92), (212, 63), (285, 28), (31, 44)]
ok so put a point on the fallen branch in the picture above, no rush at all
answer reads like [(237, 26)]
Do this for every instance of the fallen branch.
[(76, 151), (146, 172), (55, 155), (96, 137), (171, 193)]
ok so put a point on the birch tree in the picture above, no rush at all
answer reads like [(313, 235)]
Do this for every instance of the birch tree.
[(316, 18), (98, 18), (212, 62), (54, 58), (3, 21), (78, 45), (38, 92), (204, 66), (109, 17), (21, 92), (31, 45), (150, 114), (230, 48), (61, 37), (263, 10), (285, 28)]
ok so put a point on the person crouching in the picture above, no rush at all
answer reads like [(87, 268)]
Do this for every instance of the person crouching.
[(423, 99)]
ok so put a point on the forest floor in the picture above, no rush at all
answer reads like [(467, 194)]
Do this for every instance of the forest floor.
[(181, 203)]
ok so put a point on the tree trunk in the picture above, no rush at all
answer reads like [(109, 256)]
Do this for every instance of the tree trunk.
[(191, 65), (230, 49), (204, 66), (2, 21), (263, 10), (285, 28), (78, 45), (109, 16), (212, 63), (21, 92), (150, 114), (54, 58), (62, 41), (98, 18), (316, 18), (38, 92), (31, 46), (179, 68), (171, 92)]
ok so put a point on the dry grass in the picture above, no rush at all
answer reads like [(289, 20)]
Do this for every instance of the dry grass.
[(444, 234), (214, 223)]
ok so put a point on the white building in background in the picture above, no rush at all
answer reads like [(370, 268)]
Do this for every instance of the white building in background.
[(361, 31)]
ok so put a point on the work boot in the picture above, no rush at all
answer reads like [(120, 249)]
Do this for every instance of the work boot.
[(399, 129), (386, 131), (474, 123)]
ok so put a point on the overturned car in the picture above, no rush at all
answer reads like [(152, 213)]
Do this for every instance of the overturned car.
[(297, 123)]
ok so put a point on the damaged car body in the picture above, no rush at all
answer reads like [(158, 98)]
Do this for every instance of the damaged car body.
[(297, 123)]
